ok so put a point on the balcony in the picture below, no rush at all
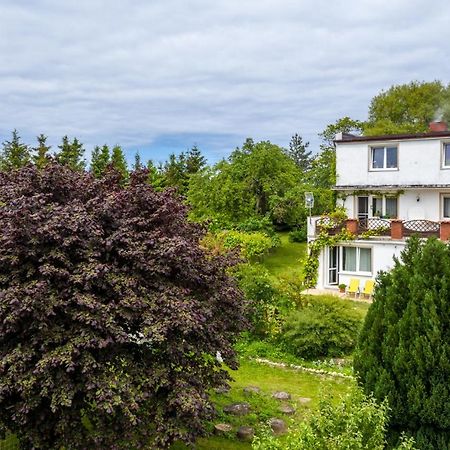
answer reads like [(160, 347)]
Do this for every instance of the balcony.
[(375, 227)]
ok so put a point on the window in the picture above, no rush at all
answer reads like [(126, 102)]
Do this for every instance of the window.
[(446, 205), (385, 207), (446, 155), (356, 259), (383, 158)]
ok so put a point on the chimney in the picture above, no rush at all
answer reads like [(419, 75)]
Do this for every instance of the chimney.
[(438, 125)]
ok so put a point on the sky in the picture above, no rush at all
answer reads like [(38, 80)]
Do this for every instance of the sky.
[(160, 76)]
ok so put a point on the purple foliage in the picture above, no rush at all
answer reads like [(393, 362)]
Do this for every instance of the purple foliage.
[(110, 313)]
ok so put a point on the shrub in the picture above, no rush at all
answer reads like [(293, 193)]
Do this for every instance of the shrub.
[(325, 327), (110, 313), (403, 352), (262, 295), (298, 234), (356, 423)]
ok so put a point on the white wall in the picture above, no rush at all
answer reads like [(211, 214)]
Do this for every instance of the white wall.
[(419, 162), (382, 259)]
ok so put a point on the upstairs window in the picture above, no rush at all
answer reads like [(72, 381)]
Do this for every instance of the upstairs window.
[(383, 158), (446, 155), (385, 207)]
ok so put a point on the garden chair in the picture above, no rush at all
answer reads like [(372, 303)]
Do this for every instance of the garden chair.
[(368, 288), (353, 287)]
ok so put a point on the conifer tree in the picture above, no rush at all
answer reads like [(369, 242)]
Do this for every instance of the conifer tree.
[(41, 157), (195, 161), (100, 160), (119, 162), (403, 351), (137, 162), (298, 152), (175, 172), (155, 177), (15, 153), (71, 154)]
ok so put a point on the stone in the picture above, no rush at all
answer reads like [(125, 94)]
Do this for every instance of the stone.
[(280, 395), (304, 400), (245, 433), (287, 409), (222, 389), (278, 426), (237, 409), (249, 390), (221, 428)]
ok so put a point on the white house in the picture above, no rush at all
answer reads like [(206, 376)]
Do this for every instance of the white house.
[(398, 185)]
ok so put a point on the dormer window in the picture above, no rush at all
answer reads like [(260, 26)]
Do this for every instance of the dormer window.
[(383, 158)]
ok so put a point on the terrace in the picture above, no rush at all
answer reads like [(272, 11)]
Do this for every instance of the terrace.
[(375, 227)]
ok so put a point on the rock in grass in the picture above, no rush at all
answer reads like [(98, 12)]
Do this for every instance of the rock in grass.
[(245, 433), (278, 426), (287, 409), (221, 428), (280, 395), (304, 400), (249, 390), (237, 409), (222, 389)]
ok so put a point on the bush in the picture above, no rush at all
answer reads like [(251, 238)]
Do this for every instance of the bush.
[(262, 295), (356, 423), (110, 313), (299, 234), (325, 327), (403, 352)]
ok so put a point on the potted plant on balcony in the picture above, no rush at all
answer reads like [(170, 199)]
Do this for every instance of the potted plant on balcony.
[(342, 287)]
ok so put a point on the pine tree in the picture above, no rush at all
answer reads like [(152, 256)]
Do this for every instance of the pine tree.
[(119, 162), (195, 161), (175, 172), (100, 160), (42, 157), (154, 176), (71, 154), (15, 154), (403, 350), (137, 162), (298, 152)]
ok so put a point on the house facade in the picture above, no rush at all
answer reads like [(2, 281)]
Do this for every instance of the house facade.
[(391, 187)]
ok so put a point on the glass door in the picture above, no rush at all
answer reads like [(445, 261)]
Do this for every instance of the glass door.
[(363, 211), (333, 265)]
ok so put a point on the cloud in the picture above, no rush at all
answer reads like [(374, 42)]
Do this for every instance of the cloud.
[(150, 75)]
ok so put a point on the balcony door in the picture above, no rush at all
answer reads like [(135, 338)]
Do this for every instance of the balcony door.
[(333, 265), (363, 209)]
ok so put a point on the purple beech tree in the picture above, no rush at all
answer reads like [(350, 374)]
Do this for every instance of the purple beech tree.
[(110, 313)]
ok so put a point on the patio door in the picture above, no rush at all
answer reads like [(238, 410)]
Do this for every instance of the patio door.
[(363, 210), (333, 265)]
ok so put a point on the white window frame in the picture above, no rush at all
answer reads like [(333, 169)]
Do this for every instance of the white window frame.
[(383, 198), (444, 144), (358, 260), (384, 168)]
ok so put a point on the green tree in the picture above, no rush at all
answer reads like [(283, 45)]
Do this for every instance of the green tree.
[(100, 160), (15, 153), (41, 157), (155, 178), (403, 350), (408, 108), (137, 162), (71, 154), (195, 161), (175, 172), (119, 162), (299, 153)]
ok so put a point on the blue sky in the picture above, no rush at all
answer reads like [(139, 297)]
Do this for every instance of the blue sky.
[(163, 75)]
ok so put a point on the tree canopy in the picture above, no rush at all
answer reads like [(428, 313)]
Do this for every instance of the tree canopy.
[(111, 314)]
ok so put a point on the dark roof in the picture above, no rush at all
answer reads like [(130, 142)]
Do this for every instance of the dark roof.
[(346, 137), (359, 187)]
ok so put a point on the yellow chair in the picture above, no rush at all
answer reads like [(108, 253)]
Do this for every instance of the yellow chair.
[(353, 288), (368, 288)]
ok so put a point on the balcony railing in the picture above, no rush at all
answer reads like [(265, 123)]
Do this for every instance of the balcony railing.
[(374, 226)]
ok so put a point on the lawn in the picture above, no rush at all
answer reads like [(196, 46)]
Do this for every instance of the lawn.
[(286, 260)]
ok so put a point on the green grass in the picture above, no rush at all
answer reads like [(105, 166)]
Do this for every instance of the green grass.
[(285, 260), (263, 406)]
